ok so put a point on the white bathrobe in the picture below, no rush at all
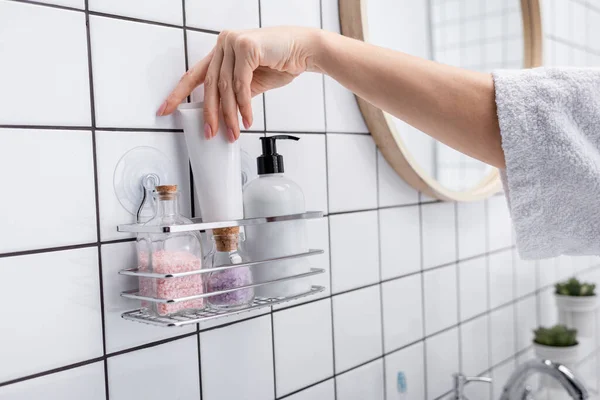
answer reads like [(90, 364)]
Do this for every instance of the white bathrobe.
[(550, 125)]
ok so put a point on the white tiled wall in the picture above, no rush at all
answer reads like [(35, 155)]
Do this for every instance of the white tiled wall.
[(413, 286)]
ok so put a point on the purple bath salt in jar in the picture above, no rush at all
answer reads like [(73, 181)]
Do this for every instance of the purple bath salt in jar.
[(226, 251)]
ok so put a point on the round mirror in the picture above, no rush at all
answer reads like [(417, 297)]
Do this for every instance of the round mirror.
[(481, 35)]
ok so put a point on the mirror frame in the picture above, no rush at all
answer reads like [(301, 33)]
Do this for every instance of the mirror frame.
[(353, 22)]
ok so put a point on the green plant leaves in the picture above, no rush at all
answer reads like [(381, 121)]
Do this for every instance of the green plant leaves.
[(557, 336), (573, 287)]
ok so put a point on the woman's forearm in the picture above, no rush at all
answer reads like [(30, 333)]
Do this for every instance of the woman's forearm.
[(453, 105)]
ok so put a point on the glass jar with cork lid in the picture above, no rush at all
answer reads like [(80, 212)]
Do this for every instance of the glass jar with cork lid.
[(169, 253), (226, 251)]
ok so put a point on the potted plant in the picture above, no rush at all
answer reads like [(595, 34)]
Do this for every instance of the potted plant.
[(576, 302), (558, 344)]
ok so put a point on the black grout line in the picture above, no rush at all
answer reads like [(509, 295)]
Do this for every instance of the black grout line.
[(306, 388), (96, 190), (210, 31), (174, 130), (48, 250), (273, 353), (150, 345), (132, 19), (488, 285), (46, 127), (51, 371), (150, 130), (38, 3), (422, 275)]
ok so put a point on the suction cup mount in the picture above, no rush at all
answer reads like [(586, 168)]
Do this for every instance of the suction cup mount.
[(136, 175)]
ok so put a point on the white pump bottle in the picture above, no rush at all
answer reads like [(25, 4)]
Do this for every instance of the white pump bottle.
[(269, 195)]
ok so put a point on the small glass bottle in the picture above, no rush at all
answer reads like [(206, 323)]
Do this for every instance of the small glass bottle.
[(167, 253), (226, 251)]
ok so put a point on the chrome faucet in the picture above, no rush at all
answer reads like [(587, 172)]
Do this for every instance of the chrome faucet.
[(515, 386), (460, 381)]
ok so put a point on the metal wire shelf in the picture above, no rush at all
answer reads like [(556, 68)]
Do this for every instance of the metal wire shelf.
[(195, 317), (144, 274), (198, 225), (134, 294)]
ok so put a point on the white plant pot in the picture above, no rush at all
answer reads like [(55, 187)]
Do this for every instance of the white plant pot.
[(577, 312), (567, 356)]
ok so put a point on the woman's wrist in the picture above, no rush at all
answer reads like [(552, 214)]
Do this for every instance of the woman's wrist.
[(318, 44)]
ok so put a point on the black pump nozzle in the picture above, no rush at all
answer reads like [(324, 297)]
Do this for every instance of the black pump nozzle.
[(270, 162)]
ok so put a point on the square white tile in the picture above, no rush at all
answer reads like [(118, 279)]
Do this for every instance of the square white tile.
[(55, 91), (393, 191), (548, 272), (318, 238), (354, 250), (525, 275), (365, 382), (240, 353), (352, 172), (439, 234), (402, 312), (122, 334), (291, 12), (341, 109), (471, 229), (169, 12), (400, 241), (322, 391), (221, 15), (502, 325), (250, 144), (475, 346), (305, 163), (199, 44), (526, 310), (298, 106), (303, 346), (356, 327), (136, 66), (168, 371), (42, 158), (111, 147), (57, 287), (442, 361), (566, 267), (473, 287), (501, 278), (500, 375), (499, 224), (85, 382), (548, 313), (410, 362), (579, 21), (330, 15), (441, 301)]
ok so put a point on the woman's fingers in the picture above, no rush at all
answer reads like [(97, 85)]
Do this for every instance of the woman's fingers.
[(211, 92), (192, 78), (228, 102), (245, 64)]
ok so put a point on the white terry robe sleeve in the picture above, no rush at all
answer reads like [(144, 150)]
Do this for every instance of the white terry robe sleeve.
[(550, 126)]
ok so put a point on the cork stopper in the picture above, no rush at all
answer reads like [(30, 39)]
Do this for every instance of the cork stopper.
[(166, 192), (226, 239)]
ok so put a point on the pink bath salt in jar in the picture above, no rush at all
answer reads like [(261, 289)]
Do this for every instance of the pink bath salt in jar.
[(169, 253)]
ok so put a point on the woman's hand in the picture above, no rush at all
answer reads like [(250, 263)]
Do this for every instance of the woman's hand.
[(242, 65)]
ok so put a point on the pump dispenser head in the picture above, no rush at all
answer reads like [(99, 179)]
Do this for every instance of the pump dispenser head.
[(270, 162)]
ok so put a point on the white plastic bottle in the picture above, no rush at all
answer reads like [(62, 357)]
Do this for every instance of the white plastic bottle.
[(269, 195)]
